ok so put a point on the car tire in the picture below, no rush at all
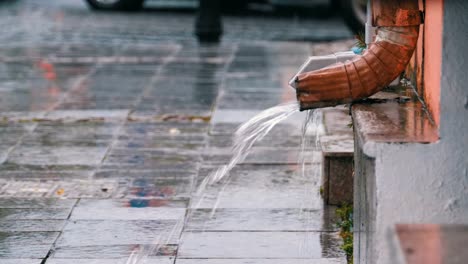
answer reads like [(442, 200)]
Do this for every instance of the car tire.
[(354, 14), (120, 5)]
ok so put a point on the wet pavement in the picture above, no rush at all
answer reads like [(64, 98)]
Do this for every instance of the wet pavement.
[(103, 146)]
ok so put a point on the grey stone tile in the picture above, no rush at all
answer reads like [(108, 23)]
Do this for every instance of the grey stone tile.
[(119, 251), (117, 232), (147, 130), (34, 214), (122, 210), (45, 175), (31, 225), (21, 261), (277, 142), (262, 261), (222, 219), (151, 159), (260, 245), (36, 203), (148, 260), (14, 244), (71, 134), (64, 189), (151, 185), (103, 115), (252, 186), (260, 155), (90, 156), (280, 130), (174, 113), (163, 142)]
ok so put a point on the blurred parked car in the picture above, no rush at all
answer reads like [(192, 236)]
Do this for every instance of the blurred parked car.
[(353, 11)]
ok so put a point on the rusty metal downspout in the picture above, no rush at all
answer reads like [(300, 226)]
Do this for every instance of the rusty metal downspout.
[(397, 25)]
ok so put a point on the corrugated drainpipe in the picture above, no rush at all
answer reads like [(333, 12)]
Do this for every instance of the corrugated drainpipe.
[(397, 25)]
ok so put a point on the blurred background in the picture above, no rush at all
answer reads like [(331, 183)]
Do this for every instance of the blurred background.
[(78, 21)]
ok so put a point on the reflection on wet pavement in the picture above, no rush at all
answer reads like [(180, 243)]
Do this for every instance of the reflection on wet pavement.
[(102, 149)]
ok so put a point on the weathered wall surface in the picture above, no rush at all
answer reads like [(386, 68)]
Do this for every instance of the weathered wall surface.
[(427, 183), (433, 28)]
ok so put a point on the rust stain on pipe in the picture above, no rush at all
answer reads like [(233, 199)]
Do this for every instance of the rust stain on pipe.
[(368, 73)]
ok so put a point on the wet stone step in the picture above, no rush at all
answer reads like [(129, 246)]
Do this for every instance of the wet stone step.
[(36, 203), (232, 219), (147, 260), (151, 159), (262, 261), (162, 142), (171, 112), (40, 156), (31, 225), (21, 261), (252, 186), (147, 185), (313, 245), (33, 214), (259, 155), (280, 130), (122, 251), (86, 115), (133, 209), (38, 244), (59, 189), (148, 130), (70, 134), (277, 142), (80, 233), (45, 175)]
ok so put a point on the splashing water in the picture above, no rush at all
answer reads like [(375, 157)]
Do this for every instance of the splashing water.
[(308, 171), (250, 132), (244, 138)]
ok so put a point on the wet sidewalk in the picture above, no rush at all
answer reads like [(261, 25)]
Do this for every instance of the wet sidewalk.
[(102, 152)]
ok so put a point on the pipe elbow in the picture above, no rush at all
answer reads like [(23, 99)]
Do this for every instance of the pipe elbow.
[(362, 76)]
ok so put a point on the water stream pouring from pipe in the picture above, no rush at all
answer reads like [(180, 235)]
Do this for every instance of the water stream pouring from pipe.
[(244, 138), (250, 132)]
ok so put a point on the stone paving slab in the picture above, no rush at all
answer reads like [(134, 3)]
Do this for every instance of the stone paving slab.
[(31, 225), (113, 251), (60, 189), (163, 142), (259, 155), (149, 130), (259, 245), (90, 156), (272, 141), (233, 219), (262, 261), (150, 159), (280, 130), (150, 260), (272, 187), (21, 261), (38, 244), (49, 175), (77, 115), (122, 210), (36, 203), (81, 233), (151, 183), (33, 214)]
